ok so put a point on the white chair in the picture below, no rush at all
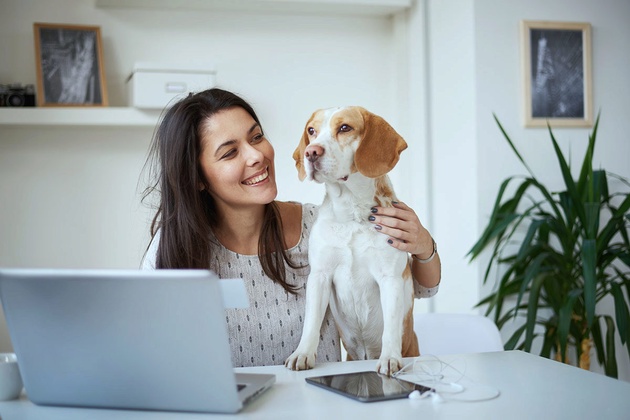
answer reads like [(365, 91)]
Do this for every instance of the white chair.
[(450, 333)]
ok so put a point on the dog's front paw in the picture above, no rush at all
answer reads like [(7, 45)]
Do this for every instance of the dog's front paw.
[(301, 360), (388, 365)]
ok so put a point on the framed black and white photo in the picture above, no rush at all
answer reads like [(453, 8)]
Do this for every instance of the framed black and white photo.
[(69, 61), (557, 74)]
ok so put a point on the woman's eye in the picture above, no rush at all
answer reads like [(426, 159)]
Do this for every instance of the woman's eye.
[(258, 138), (229, 154), (345, 128), (311, 131)]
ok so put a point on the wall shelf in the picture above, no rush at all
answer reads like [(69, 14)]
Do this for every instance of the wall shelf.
[(68, 117), (350, 7)]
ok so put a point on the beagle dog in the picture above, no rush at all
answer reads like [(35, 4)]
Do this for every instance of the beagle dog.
[(366, 282)]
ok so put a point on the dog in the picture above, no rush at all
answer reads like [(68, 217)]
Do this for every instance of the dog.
[(366, 282)]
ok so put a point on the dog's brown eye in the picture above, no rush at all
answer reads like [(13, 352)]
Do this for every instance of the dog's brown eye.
[(345, 128), (311, 131)]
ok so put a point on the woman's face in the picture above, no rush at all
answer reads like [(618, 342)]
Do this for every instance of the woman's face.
[(237, 160)]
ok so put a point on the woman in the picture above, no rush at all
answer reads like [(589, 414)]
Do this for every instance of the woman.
[(214, 174)]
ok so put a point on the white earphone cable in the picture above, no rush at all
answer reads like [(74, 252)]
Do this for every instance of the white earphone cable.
[(447, 381)]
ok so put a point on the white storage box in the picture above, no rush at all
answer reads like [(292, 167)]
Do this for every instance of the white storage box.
[(156, 86)]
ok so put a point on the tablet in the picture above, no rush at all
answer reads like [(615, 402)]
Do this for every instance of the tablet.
[(367, 386)]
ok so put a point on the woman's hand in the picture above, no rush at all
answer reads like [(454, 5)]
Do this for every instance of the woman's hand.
[(405, 232), (403, 228)]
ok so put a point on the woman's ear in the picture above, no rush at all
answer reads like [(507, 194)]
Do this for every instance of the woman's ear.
[(380, 146)]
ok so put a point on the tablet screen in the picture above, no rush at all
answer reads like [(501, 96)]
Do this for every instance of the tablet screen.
[(367, 386)]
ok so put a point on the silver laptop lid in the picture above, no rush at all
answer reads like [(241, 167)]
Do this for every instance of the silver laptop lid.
[(121, 338)]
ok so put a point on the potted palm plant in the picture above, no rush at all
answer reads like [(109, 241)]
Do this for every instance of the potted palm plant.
[(558, 254)]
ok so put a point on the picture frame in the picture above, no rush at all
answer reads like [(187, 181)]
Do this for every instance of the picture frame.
[(557, 74), (69, 61)]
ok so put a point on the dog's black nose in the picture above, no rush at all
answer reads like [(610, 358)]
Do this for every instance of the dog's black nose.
[(312, 156)]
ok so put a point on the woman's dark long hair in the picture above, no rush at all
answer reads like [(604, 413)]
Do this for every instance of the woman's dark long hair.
[(186, 216)]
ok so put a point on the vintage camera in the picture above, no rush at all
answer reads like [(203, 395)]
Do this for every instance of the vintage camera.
[(16, 95)]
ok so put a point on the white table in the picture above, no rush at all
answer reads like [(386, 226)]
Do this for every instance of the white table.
[(530, 387)]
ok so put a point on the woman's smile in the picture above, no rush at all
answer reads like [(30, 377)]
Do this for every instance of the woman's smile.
[(258, 178)]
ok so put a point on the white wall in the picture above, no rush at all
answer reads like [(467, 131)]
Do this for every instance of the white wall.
[(453, 152)]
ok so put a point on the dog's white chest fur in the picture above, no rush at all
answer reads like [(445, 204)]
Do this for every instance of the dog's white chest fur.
[(360, 263)]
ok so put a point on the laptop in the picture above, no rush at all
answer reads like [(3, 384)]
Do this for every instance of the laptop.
[(126, 339)]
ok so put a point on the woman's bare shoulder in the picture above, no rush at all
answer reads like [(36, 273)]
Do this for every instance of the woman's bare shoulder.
[(290, 211)]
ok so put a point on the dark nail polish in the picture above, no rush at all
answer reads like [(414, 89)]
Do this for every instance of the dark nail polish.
[(371, 218), (373, 210), (394, 202), (378, 227), (389, 241)]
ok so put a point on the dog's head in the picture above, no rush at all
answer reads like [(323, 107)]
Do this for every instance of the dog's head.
[(338, 142)]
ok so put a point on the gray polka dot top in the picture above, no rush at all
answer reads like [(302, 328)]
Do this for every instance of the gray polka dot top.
[(269, 330)]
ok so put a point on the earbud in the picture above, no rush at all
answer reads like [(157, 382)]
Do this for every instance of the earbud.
[(415, 395), (436, 398)]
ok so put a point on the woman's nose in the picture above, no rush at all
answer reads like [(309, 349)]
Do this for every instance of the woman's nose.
[(254, 155)]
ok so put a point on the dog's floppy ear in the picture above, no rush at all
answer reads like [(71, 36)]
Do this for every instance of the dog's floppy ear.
[(380, 146), (298, 154)]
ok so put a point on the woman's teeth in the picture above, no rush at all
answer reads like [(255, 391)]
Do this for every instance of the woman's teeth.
[(257, 179)]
